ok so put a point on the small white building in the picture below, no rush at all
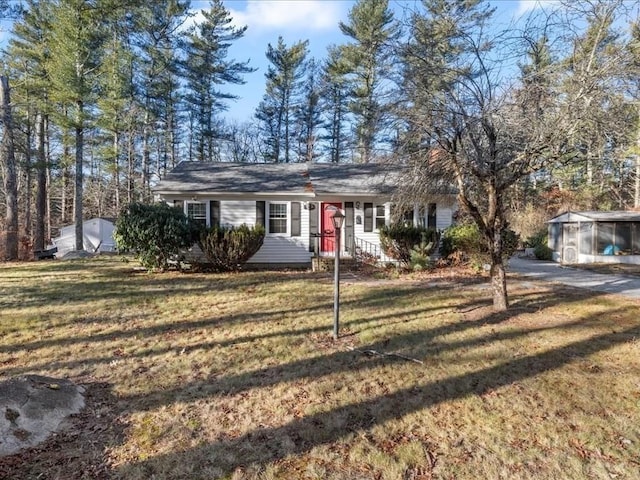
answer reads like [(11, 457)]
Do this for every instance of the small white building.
[(595, 237), (292, 200), (97, 237)]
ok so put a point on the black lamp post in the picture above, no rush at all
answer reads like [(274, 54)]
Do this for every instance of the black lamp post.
[(338, 220)]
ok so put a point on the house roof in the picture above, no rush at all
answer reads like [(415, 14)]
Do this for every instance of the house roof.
[(605, 216), (279, 178)]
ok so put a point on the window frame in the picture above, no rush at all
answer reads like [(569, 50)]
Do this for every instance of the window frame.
[(189, 203), (376, 217), (286, 218)]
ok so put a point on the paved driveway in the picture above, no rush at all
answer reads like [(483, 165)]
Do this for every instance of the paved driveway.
[(553, 272)]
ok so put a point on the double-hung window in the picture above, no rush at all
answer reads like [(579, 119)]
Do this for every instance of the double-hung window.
[(197, 212), (277, 217), (380, 220)]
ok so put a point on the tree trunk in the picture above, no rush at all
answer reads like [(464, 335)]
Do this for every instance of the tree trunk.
[(116, 171), (10, 181), (131, 160), (28, 181), (499, 284), (77, 217), (41, 186), (144, 177), (636, 196)]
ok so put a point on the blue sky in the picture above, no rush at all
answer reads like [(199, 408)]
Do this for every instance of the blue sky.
[(313, 20), (294, 20)]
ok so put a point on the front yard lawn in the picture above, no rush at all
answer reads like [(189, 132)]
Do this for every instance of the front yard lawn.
[(203, 376)]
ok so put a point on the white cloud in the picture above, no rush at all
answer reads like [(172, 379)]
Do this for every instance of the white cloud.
[(290, 15), (526, 6)]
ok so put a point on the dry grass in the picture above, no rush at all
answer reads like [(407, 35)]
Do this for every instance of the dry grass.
[(236, 376)]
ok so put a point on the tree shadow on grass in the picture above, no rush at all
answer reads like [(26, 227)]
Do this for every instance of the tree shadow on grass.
[(368, 300), (421, 344), (269, 444)]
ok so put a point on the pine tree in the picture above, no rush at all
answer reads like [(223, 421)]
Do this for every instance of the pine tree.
[(334, 102), (276, 111), (29, 56), (372, 30), (309, 115), (115, 101), (156, 28), (75, 46), (205, 68)]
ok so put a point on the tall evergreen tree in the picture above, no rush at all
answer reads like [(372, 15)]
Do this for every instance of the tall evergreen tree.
[(206, 67), (334, 101), (276, 111), (308, 114), (156, 28), (371, 29), (28, 59), (591, 69), (75, 45)]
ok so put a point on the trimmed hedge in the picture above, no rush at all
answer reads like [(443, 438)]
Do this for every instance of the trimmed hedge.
[(228, 248)]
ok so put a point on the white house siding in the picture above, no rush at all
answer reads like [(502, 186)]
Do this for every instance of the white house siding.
[(444, 217), (371, 238), (237, 212), (283, 249)]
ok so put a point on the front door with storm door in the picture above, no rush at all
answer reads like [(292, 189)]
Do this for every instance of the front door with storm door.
[(328, 244)]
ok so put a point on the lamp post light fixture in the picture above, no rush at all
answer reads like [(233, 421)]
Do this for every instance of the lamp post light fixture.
[(337, 219)]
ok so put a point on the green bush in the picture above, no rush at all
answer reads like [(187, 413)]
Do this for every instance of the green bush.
[(543, 252), (464, 243), (228, 248), (538, 242), (538, 238), (399, 240), (421, 255), (154, 233)]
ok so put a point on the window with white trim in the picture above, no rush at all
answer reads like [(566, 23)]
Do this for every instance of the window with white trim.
[(197, 211), (278, 218), (380, 219)]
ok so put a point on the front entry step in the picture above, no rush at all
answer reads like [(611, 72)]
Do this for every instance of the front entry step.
[(326, 264)]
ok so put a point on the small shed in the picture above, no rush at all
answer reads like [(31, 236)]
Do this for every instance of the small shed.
[(97, 233), (595, 237)]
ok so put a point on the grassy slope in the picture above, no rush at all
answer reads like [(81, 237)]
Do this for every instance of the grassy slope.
[(236, 376)]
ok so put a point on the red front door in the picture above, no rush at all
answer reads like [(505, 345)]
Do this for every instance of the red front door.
[(326, 224)]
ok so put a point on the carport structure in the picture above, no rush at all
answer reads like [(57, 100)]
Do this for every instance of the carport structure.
[(595, 237)]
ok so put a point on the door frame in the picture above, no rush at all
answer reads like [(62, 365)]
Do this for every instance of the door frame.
[(327, 243)]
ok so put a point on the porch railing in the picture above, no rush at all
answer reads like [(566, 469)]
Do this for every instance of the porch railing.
[(369, 252)]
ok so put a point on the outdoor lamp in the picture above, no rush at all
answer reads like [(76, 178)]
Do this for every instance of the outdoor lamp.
[(338, 219)]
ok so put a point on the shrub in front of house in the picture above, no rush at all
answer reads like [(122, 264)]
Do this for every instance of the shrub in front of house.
[(154, 233), (463, 244), (228, 248), (403, 242)]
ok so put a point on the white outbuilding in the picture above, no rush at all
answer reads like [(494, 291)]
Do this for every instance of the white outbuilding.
[(97, 236)]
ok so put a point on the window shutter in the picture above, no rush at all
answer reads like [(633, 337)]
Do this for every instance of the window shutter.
[(214, 213), (179, 204), (368, 217), (260, 208), (431, 216), (295, 219)]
